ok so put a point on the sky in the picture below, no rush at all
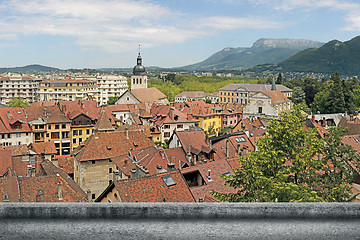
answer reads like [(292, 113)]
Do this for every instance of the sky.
[(171, 33)]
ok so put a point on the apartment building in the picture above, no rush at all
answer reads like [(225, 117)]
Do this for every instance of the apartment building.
[(240, 93), (110, 86), (67, 90), (17, 86)]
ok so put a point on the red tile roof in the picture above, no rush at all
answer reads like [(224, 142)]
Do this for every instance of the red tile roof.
[(18, 150), (5, 161), (11, 118), (154, 189), (215, 182), (352, 140), (66, 164), (195, 139), (105, 145), (51, 114), (73, 109), (148, 95), (150, 158), (44, 147), (276, 96), (238, 142)]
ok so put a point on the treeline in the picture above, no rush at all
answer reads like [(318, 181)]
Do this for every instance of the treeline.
[(174, 84), (332, 95)]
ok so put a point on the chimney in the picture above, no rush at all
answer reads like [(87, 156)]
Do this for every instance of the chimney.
[(158, 168), (238, 149), (162, 154), (227, 149), (210, 143), (171, 113), (325, 122), (179, 164), (133, 173), (313, 118), (351, 117), (125, 163), (171, 166), (209, 173), (127, 133), (115, 175), (88, 195), (60, 191)]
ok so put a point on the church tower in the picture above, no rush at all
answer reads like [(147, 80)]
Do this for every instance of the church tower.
[(139, 76)]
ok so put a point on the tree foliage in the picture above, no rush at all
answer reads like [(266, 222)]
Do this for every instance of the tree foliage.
[(175, 84), (112, 100), (18, 102), (287, 166)]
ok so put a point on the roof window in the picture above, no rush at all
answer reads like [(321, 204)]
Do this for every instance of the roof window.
[(169, 181), (240, 139)]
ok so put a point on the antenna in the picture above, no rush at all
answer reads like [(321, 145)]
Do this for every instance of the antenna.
[(139, 49)]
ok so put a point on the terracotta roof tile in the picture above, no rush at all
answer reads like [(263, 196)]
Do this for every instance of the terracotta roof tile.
[(18, 150), (148, 95), (212, 183), (13, 120), (105, 145), (276, 96), (155, 189), (5, 161), (44, 147)]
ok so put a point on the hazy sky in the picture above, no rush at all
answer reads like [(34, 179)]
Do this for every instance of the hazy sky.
[(106, 33)]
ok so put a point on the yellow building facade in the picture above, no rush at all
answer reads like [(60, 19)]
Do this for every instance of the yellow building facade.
[(67, 90), (211, 123)]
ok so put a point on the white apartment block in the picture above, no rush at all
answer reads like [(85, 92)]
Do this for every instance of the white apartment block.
[(110, 86), (18, 86)]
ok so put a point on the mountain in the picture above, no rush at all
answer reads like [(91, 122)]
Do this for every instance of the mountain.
[(334, 56), (35, 68), (264, 50)]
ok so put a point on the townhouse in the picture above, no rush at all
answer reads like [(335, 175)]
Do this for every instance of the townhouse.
[(168, 119), (14, 128)]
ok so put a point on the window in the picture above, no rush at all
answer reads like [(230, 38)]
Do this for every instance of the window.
[(167, 126), (6, 197), (80, 132), (169, 181), (166, 134), (75, 132), (80, 140), (57, 126), (110, 170), (93, 162), (87, 131), (63, 126), (74, 140), (18, 135), (93, 196), (49, 126), (260, 110), (179, 126), (240, 139)]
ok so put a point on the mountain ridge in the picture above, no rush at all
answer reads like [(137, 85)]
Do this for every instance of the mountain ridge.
[(264, 50)]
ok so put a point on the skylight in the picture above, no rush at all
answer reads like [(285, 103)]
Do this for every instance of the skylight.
[(240, 139), (357, 140), (169, 181)]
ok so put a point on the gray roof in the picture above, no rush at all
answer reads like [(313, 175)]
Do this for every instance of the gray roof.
[(255, 87)]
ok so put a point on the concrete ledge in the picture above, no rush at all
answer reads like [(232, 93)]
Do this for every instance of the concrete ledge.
[(163, 211)]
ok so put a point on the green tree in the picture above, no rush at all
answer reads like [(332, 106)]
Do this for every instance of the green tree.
[(287, 167), (336, 97), (298, 95), (18, 102), (112, 100), (279, 79)]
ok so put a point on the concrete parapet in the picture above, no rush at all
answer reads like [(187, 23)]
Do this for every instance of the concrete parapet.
[(201, 211)]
